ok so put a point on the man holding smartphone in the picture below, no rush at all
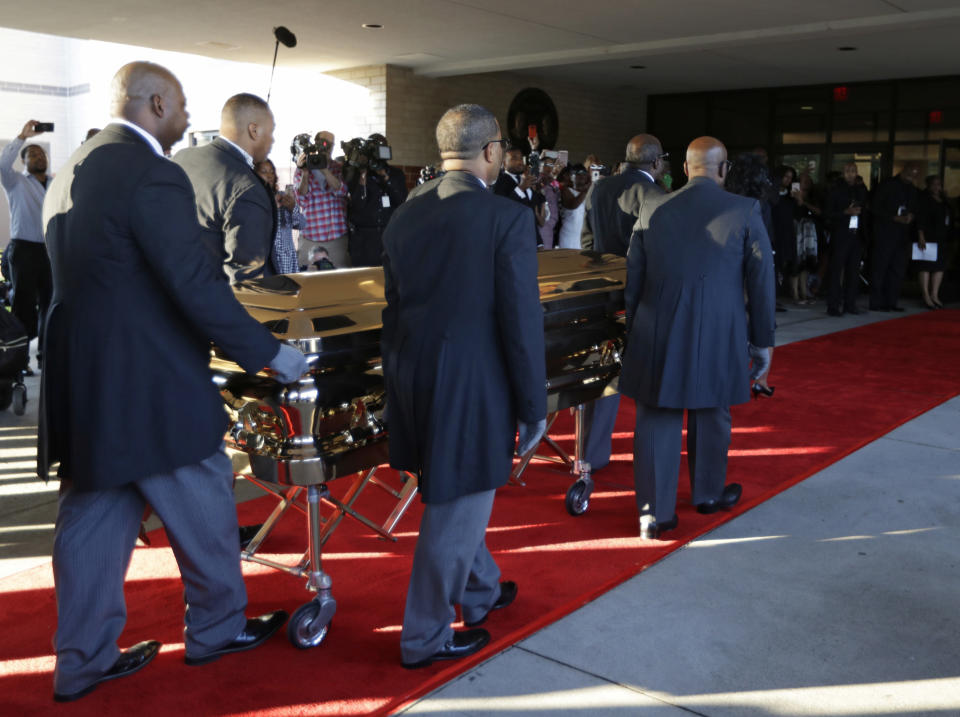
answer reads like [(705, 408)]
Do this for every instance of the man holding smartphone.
[(846, 209), (29, 264)]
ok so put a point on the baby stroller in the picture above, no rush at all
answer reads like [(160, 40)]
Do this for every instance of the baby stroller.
[(14, 350)]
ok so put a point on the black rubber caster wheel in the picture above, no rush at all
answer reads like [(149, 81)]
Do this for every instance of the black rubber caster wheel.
[(578, 498), (302, 628)]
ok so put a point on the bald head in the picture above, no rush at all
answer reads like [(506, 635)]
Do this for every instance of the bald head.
[(706, 157), (644, 149), (135, 83), (151, 97), (246, 120)]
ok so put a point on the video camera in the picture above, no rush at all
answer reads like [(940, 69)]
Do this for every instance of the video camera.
[(429, 172), (317, 150), (534, 164), (371, 153), (599, 170)]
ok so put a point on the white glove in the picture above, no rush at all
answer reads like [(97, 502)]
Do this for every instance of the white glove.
[(762, 358), (529, 435), (289, 364)]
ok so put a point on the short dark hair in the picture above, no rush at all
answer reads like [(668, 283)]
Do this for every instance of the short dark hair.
[(647, 154), (464, 130), (239, 105), (25, 149), (749, 177)]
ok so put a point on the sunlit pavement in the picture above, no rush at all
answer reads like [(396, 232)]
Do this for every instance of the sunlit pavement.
[(836, 597)]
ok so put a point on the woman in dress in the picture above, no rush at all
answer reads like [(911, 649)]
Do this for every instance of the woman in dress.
[(934, 226), (574, 183), (283, 255)]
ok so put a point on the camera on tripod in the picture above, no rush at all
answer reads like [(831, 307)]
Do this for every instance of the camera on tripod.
[(371, 153), (316, 150)]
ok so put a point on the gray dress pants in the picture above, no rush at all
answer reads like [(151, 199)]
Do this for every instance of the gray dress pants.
[(599, 418), (94, 538), (451, 566), (657, 444)]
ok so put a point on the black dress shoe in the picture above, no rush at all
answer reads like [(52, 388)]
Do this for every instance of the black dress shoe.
[(462, 644), (508, 593), (652, 531), (130, 660), (257, 631), (248, 533), (834, 312), (731, 494)]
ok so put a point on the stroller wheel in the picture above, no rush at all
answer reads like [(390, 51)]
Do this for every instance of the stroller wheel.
[(19, 399)]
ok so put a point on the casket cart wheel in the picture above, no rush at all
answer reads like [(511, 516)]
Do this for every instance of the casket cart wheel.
[(578, 497), (19, 399), (6, 397), (309, 625)]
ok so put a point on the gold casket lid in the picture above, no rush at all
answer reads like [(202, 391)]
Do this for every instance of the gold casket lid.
[(329, 303)]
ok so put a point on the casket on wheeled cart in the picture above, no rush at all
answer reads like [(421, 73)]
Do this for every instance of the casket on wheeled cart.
[(293, 439)]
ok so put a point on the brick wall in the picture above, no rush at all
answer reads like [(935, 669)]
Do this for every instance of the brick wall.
[(374, 78), (598, 121)]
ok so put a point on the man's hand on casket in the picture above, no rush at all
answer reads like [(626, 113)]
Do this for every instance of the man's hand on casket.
[(289, 364), (529, 435)]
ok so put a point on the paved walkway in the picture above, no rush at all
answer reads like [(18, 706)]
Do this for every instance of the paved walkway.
[(838, 596)]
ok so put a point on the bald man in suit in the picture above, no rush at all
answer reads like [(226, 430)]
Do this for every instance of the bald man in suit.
[(693, 256)]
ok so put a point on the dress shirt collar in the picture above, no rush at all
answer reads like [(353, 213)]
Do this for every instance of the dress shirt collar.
[(149, 138), (649, 176), (246, 156)]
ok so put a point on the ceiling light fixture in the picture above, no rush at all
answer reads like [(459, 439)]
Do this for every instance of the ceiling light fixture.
[(371, 26), (807, 107)]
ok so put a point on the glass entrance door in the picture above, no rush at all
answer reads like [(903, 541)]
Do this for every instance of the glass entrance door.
[(950, 168), (868, 158)]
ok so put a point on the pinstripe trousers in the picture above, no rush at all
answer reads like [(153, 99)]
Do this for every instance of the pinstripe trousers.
[(94, 539)]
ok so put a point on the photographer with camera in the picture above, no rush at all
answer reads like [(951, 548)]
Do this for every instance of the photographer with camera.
[(321, 194), (375, 190), (27, 254), (518, 181)]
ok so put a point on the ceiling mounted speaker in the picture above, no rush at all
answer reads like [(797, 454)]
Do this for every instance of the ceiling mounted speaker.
[(532, 110)]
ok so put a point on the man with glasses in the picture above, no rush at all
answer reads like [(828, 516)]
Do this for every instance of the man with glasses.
[(693, 257), (612, 207), (463, 363)]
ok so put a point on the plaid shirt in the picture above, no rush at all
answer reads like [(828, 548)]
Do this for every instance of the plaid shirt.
[(324, 211), (284, 254)]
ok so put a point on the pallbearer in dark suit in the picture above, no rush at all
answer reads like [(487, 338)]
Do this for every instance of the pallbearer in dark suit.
[(613, 205), (689, 336), (234, 208), (128, 407), (463, 361)]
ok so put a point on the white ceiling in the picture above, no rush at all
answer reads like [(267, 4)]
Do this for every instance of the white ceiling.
[(685, 45)]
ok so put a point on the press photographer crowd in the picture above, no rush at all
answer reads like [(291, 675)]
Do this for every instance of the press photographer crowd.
[(124, 265)]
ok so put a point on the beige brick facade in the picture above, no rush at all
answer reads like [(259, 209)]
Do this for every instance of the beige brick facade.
[(592, 120)]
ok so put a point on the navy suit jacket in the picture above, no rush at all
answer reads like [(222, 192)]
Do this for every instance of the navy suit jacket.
[(693, 256), (612, 207), (462, 339), (234, 207), (127, 391)]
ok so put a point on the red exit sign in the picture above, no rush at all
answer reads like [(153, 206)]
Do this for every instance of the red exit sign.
[(936, 116), (840, 93)]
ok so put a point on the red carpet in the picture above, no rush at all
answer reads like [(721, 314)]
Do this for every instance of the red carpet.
[(834, 394)]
